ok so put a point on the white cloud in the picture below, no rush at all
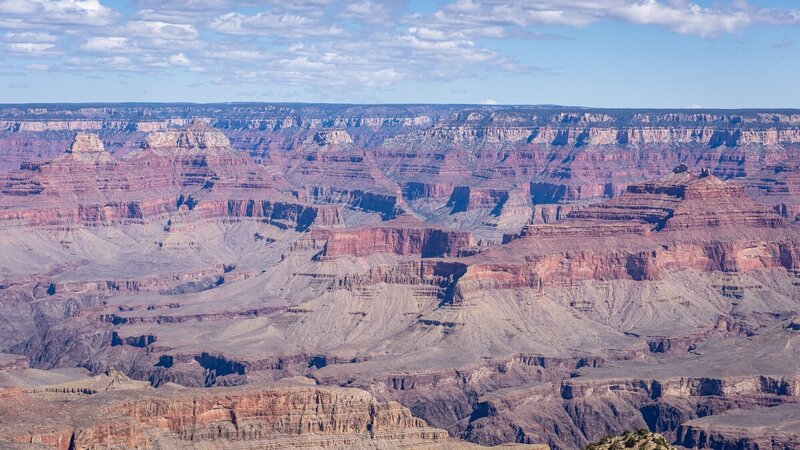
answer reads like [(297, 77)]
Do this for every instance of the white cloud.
[(489, 101), (162, 30), (179, 59), (237, 54), (365, 8), (116, 62), (75, 12), (435, 44), (28, 36), (270, 24), (685, 18), (107, 44), (368, 11), (342, 45), (497, 18), (30, 48), (383, 77)]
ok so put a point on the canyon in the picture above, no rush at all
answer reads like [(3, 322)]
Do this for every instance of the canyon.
[(390, 276)]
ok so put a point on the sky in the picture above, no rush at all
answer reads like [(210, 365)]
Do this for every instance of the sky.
[(601, 53)]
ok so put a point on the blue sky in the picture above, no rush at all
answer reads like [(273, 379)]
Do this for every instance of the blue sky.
[(606, 53)]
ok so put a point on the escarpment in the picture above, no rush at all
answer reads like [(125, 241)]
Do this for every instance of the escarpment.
[(768, 428), (403, 236), (679, 222), (192, 170), (506, 274), (287, 414), (551, 155)]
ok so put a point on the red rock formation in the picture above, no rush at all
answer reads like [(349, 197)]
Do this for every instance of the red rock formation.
[(291, 413), (194, 168), (403, 236), (768, 428), (678, 222), (683, 201), (778, 185)]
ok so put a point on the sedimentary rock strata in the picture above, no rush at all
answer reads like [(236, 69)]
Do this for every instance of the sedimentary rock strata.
[(478, 165), (193, 169), (530, 275), (768, 428), (403, 236), (111, 411)]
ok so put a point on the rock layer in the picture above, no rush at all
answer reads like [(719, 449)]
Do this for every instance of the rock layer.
[(289, 414)]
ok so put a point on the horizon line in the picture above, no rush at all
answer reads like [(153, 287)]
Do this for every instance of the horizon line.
[(410, 104)]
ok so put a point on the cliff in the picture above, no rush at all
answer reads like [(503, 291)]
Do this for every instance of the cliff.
[(168, 242), (559, 154), (193, 169), (683, 200), (678, 222), (287, 414), (764, 429), (403, 236)]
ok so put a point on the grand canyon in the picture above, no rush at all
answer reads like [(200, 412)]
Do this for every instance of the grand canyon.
[(384, 276)]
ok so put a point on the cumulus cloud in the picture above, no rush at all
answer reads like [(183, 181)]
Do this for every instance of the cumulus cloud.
[(30, 48), (271, 24), (686, 18), (162, 30), (29, 37), (496, 18), (438, 45), (372, 12), (179, 59), (107, 44), (76, 12), (339, 44)]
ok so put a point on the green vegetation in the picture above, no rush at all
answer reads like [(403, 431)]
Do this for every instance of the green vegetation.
[(640, 440)]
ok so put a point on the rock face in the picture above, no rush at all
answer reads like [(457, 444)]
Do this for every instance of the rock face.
[(769, 428), (483, 167), (289, 414), (779, 185), (402, 236), (683, 201), (681, 221), (197, 136), (89, 148), (194, 168), (505, 273)]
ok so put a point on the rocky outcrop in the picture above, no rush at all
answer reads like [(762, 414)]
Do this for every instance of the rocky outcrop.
[(198, 137), (387, 205), (193, 171), (778, 185), (169, 248), (679, 222), (330, 137), (641, 439), (287, 414), (88, 148), (564, 155), (402, 236), (682, 201), (764, 429)]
